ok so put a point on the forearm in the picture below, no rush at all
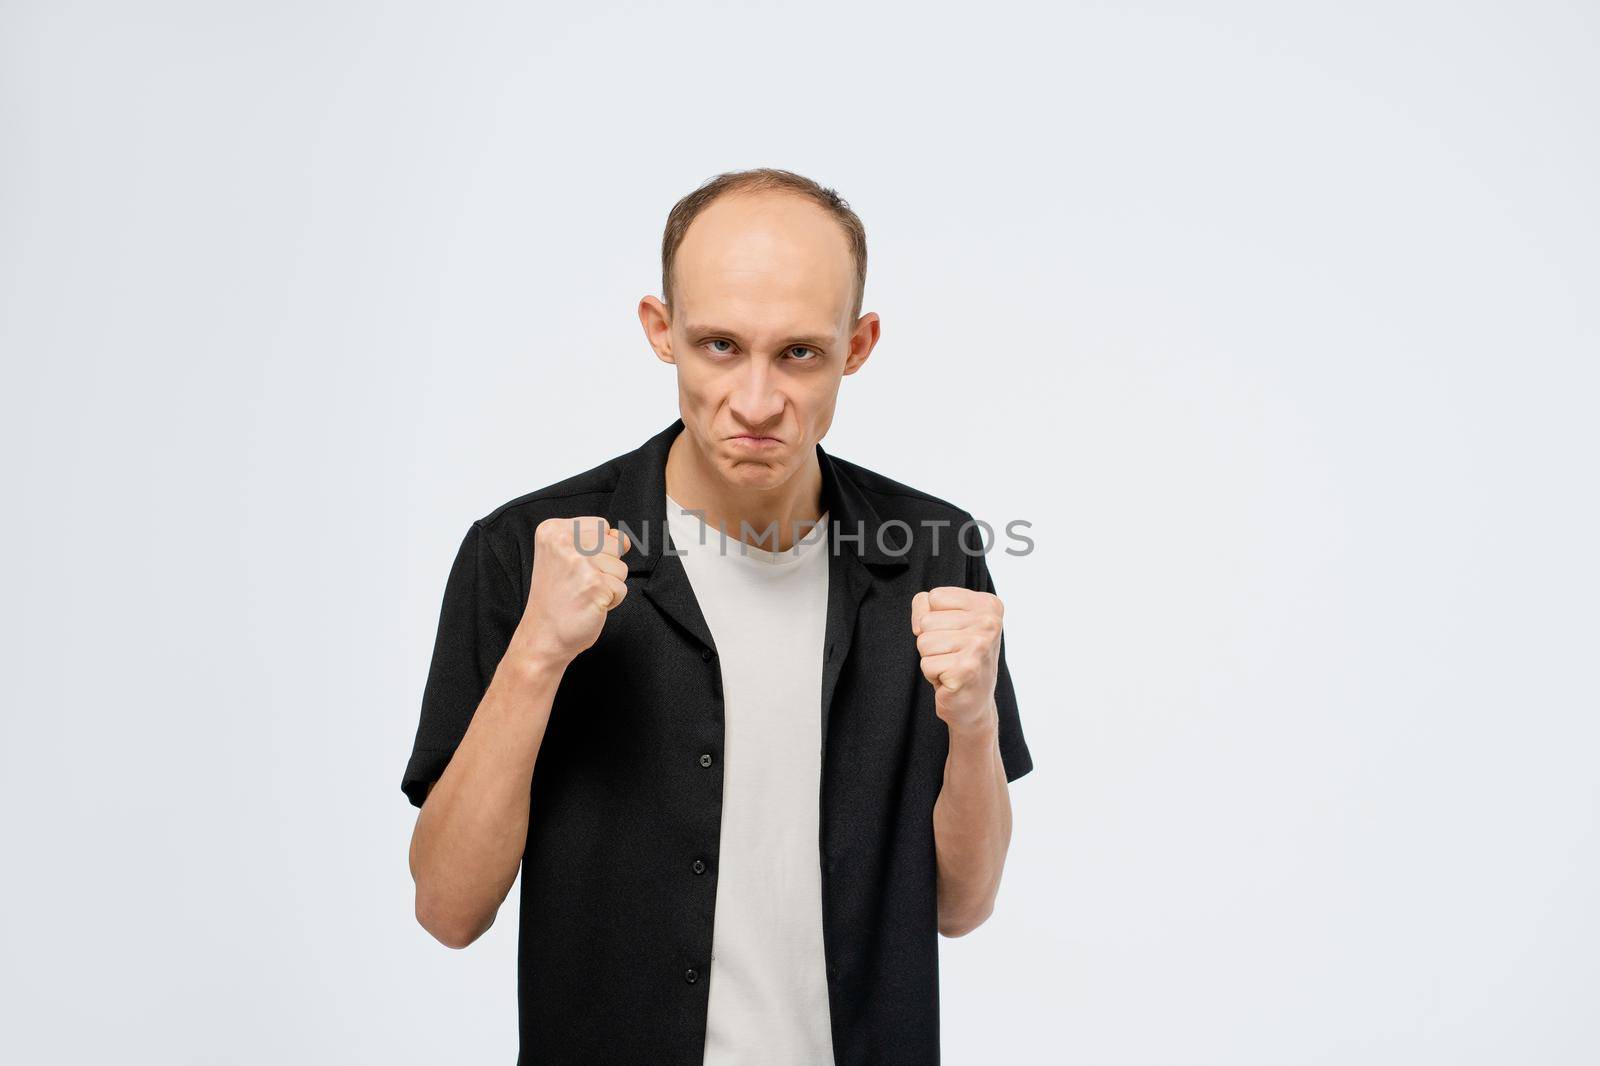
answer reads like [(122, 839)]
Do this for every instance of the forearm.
[(971, 827), (470, 835)]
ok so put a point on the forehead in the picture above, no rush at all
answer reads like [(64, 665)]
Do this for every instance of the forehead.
[(767, 256)]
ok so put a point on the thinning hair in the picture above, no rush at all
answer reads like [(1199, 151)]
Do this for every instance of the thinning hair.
[(762, 179)]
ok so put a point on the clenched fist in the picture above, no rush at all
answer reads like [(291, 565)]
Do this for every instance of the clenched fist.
[(958, 634), (578, 578)]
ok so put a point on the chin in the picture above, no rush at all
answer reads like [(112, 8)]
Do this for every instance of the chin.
[(751, 472)]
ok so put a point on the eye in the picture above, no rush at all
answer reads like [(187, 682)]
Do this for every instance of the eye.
[(719, 340), (815, 355)]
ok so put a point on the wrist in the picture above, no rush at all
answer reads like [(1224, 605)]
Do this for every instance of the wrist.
[(528, 666), (978, 731)]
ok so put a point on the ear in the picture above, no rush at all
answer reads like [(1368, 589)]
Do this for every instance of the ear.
[(656, 318), (862, 340)]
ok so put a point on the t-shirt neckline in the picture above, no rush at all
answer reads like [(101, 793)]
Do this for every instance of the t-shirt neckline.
[(732, 547)]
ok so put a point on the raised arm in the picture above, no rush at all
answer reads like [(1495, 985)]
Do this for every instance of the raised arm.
[(958, 636), (473, 827)]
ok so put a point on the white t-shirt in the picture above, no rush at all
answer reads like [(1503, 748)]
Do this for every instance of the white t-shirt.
[(767, 612)]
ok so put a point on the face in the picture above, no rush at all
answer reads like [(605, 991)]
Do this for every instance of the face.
[(760, 332)]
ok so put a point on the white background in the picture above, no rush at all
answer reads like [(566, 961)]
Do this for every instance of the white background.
[(1277, 321)]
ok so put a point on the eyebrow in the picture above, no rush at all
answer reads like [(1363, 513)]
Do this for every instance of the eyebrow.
[(818, 340)]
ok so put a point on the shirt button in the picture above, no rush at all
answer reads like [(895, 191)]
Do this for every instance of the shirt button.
[(705, 759), (699, 867), (705, 656), (691, 975)]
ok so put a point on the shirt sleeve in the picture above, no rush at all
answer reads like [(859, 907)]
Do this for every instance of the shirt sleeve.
[(1013, 746), (480, 612)]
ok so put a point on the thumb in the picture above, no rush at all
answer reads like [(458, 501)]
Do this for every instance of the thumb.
[(919, 607)]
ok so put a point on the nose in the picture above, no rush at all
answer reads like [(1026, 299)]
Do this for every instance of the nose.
[(756, 401)]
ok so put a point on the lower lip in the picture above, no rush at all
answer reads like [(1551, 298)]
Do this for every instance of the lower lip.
[(757, 442)]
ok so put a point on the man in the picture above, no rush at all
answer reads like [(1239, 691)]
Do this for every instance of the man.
[(738, 710)]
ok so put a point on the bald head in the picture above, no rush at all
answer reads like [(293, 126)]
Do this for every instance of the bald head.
[(769, 250)]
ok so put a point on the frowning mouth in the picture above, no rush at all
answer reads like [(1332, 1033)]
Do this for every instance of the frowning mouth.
[(749, 441)]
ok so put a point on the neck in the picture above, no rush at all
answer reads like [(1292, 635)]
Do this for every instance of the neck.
[(774, 516)]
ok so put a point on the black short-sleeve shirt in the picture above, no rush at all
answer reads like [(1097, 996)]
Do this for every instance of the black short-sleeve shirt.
[(614, 950)]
